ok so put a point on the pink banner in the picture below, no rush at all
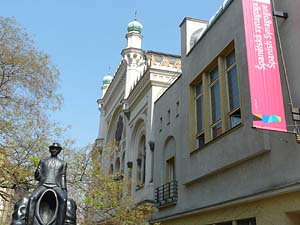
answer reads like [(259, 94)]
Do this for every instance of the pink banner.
[(264, 76)]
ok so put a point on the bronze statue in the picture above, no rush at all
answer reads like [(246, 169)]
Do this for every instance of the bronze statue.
[(48, 203)]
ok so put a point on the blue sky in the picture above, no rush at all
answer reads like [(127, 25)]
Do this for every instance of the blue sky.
[(84, 38)]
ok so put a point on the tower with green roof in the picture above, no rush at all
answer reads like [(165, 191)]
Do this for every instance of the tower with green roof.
[(133, 54), (105, 83)]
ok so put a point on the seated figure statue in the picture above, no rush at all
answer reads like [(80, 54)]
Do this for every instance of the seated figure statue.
[(48, 203)]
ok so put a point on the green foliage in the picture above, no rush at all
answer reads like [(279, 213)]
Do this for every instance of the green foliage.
[(104, 198), (101, 198), (34, 160), (28, 92)]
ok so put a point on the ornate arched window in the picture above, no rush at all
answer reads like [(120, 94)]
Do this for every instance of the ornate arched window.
[(141, 160), (119, 130)]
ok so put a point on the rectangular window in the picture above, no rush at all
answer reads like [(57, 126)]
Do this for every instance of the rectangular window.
[(139, 171), (177, 108), (215, 103), (216, 98), (160, 124), (214, 75), (233, 90), (200, 114), (250, 221), (171, 169), (217, 129)]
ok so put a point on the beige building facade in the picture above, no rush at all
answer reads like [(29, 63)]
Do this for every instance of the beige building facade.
[(212, 167), (125, 139)]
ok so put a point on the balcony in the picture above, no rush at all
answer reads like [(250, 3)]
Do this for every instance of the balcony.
[(166, 194)]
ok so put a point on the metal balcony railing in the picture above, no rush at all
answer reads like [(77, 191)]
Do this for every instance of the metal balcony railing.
[(166, 194)]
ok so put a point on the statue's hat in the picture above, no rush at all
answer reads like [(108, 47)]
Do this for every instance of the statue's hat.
[(56, 146)]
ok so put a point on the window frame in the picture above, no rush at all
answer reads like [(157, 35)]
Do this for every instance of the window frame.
[(160, 124), (248, 220), (211, 84), (225, 113), (170, 163), (141, 162), (177, 108), (199, 134), (237, 109)]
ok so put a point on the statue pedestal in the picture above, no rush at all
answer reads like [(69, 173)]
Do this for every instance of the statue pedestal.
[(19, 216)]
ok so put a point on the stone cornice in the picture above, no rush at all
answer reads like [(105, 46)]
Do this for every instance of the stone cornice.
[(163, 60), (132, 50), (160, 69), (152, 77)]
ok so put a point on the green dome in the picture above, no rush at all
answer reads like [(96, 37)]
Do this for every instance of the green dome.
[(135, 26), (107, 79)]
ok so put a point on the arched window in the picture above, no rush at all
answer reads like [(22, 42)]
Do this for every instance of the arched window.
[(119, 130), (111, 169), (117, 166), (123, 163), (169, 157), (141, 161)]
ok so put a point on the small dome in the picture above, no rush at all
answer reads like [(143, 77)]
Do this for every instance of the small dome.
[(107, 79), (135, 26)]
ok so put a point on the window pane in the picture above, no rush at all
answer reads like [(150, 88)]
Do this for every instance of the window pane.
[(217, 130), (201, 140), (234, 100), (213, 75), (251, 221), (200, 113), (171, 169), (230, 59), (160, 123), (144, 167), (235, 118), (215, 102), (199, 89)]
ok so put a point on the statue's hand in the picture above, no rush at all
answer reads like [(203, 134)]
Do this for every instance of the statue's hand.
[(37, 174), (64, 186)]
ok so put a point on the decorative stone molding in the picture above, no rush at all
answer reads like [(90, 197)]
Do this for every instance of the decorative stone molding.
[(99, 142), (163, 60)]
